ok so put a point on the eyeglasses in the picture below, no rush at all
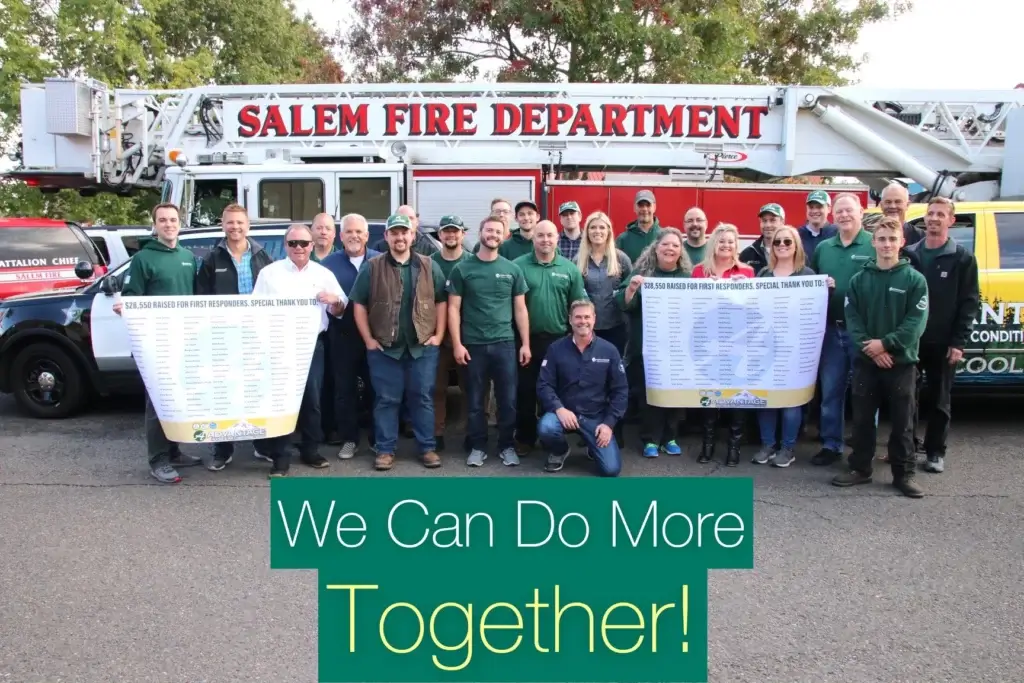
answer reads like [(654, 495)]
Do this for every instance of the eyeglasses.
[(299, 244), (783, 242)]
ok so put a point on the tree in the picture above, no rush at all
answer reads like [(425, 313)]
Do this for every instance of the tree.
[(618, 41), (146, 44)]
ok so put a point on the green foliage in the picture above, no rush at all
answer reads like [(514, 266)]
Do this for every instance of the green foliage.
[(616, 41), (146, 44)]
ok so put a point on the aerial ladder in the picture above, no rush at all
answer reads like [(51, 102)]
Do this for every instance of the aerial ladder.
[(962, 144)]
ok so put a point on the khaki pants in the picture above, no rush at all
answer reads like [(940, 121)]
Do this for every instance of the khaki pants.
[(445, 364)]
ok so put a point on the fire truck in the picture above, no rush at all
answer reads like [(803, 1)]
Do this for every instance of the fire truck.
[(287, 152)]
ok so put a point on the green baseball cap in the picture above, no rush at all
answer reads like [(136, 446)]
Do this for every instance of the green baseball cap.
[(451, 222), (398, 221), (773, 209), (568, 206), (819, 197)]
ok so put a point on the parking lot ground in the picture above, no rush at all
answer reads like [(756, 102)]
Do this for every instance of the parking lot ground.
[(106, 576)]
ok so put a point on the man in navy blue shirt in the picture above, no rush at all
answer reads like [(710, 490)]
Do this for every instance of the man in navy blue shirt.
[(347, 348), (582, 388)]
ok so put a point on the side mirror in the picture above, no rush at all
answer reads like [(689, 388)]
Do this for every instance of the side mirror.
[(84, 270), (107, 286)]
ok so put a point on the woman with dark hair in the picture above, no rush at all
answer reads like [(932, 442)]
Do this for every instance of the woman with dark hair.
[(664, 258)]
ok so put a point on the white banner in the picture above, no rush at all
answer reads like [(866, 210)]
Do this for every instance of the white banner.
[(223, 368), (751, 343)]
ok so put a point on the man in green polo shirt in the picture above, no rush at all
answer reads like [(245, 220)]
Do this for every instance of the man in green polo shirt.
[(451, 231), (485, 293), (554, 282), (840, 258), (401, 314), (642, 232)]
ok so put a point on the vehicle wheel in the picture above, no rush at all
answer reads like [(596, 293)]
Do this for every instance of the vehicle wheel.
[(47, 382)]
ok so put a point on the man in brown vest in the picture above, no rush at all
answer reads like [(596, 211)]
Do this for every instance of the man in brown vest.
[(401, 312)]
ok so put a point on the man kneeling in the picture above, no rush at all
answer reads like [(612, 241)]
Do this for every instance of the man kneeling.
[(582, 388)]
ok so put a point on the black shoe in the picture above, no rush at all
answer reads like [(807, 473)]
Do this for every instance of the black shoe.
[(219, 462), (279, 470), (826, 456), (707, 452), (314, 460), (732, 457), (179, 459), (851, 478), (333, 439), (439, 443), (908, 487)]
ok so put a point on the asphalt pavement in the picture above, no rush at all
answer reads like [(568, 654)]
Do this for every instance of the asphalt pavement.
[(106, 576)]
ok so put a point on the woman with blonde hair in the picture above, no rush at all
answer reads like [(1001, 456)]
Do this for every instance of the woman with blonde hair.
[(785, 259), (722, 261), (604, 269), (664, 258)]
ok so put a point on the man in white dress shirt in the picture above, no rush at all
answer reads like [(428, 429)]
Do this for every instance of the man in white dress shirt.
[(298, 276)]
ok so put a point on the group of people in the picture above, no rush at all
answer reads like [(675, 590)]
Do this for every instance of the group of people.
[(543, 327)]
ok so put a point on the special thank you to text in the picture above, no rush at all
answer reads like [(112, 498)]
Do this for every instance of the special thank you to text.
[(512, 580)]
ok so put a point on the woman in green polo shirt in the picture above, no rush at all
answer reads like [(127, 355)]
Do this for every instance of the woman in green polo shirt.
[(665, 257)]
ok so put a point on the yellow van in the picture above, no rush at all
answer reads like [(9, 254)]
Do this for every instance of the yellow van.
[(994, 232)]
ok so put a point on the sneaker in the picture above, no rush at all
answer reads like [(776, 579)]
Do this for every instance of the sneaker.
[(179, 459), (476, 458), (651, 450), (165, 474), (672, 448), (908, 487), (935, 464), (826, 456), (509, 457), (851, 478), (556, 462), (783, 458), (262, 456), (314, 460), (348, 451), (278, 470), (219, 462), (764, 455)]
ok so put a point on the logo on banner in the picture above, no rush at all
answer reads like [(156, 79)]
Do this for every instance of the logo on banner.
[(241, 430)]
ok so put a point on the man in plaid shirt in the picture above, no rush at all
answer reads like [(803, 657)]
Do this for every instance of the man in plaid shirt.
[(569, 240)]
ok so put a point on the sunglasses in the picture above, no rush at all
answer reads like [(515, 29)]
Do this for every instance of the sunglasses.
[(299, 244), (783, 242)]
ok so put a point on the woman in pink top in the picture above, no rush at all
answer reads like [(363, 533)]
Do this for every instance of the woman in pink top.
[(722, 261)]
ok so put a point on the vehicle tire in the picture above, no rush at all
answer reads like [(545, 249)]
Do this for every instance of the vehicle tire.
[(47, 382)]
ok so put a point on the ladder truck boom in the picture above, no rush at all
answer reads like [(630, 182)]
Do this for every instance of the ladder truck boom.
[(964, 144)]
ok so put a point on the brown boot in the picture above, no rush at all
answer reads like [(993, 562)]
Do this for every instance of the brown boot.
[(384, 461), (431, 460), (908, 487)]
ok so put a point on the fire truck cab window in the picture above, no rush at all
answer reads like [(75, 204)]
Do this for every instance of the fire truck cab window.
[(1010, 231), (291, 200), (369, 197), (211, 196)]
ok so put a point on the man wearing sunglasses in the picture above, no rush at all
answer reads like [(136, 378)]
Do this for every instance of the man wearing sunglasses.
[(299, 277)]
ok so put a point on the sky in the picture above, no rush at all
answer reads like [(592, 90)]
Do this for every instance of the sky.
[(939, 44)]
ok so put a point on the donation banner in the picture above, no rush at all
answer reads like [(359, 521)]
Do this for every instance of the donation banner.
[(750, 343), (223, 368)]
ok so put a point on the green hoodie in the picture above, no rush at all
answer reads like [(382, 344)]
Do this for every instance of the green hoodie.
[(159, 270), (634, 240), (890, 305), (516, 246), (634, 310)]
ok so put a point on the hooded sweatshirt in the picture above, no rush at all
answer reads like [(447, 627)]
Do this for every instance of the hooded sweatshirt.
[(890, 305), (159, 270), (516, 246), (634, 240)]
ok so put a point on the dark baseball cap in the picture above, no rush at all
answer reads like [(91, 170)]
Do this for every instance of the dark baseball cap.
[(451, 221)]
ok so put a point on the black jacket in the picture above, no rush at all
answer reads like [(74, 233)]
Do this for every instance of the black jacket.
[(755, 255), (217, 275), (953, 294)]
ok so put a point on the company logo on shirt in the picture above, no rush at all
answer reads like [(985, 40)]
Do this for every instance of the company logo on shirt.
[(600, 360), (186, 264), (503, 276), (922, 305), (898, 291), (560, 275), (858, 257)]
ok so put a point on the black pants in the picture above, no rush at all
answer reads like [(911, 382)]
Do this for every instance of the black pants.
[(937, 379), (896, 386), (348, 358), (159, 447), (657, 424), (526, 387)]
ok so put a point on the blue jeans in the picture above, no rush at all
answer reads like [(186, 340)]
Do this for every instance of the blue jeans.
[(497, 362), (412, 378), (837, 354), (551, 435), (768, 419)]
